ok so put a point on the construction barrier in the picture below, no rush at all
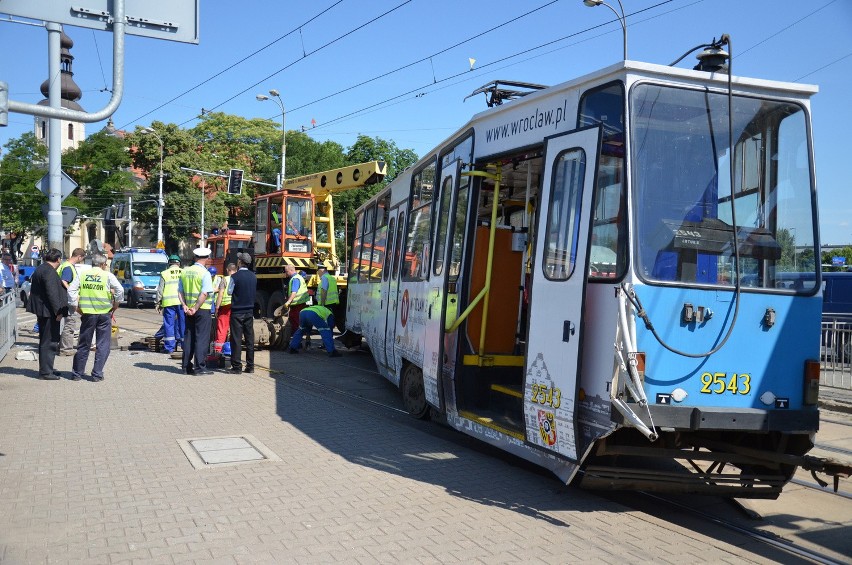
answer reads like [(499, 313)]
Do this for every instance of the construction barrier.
[(8, 323), (836, 351)]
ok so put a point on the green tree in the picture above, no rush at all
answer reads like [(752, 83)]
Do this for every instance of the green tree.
[(363, 150), (20, 200), (101, 166)]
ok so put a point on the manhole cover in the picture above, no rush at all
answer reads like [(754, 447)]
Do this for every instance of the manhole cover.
[(217, 451)]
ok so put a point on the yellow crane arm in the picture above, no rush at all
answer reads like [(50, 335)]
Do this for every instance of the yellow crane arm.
[(338, 180)]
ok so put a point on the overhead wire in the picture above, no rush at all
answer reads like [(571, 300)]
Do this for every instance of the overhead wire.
[(233, 65), (318, 49)]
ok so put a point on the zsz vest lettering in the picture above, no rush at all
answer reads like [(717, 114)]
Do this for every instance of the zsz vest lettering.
[(95, 294), (171, 280)]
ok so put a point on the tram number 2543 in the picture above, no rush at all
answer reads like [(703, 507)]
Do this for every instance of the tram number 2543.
[(547, 396), (721, 383)]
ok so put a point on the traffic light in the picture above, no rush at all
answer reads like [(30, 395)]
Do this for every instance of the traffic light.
[(235, 181)]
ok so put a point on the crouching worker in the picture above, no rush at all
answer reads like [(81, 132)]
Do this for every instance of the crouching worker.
[(97, 293), (320, 318)]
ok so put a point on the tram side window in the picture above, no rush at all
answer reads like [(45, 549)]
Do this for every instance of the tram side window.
[(387, 263), (367, 243), (397, 247), (560, 244), (443, 224), (605, 105), (355, 267), (415, 266)]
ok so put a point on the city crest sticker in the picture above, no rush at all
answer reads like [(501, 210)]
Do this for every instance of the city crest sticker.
[(547, 427)]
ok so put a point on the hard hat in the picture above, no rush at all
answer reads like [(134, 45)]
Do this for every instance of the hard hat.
[(174, 259), (212, 270)]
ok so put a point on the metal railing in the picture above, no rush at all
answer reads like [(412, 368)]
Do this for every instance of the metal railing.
[(836, 353), (8, 323)]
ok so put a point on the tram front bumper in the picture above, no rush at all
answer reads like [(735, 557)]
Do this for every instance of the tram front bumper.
[(693, 418)]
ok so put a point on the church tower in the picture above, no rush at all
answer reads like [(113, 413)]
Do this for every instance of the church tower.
[(73, 133)]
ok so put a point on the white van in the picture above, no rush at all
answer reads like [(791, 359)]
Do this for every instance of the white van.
[(138, 270)]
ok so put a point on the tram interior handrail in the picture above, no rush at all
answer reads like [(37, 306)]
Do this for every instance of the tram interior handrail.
[(486, 289)]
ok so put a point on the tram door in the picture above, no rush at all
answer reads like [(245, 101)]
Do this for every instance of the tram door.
[(387, 306), (558, 290), (390, 282), (433, 350)]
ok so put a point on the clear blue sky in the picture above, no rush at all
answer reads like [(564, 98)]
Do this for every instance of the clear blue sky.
[(418, 106)]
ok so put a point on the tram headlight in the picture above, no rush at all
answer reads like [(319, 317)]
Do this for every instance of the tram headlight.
[(811, 395)]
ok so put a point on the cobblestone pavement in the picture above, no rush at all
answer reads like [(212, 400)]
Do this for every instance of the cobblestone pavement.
[(93, 472)]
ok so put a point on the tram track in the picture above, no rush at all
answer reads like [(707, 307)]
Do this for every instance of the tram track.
[(751, 533)]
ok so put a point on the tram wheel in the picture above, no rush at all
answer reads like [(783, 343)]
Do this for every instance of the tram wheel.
[(413, 392)]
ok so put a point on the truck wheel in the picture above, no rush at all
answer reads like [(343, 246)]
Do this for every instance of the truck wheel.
[(413, 392), (261, 299), (276, 300)]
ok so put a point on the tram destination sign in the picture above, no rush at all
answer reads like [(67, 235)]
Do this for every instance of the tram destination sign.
[(175, 20)]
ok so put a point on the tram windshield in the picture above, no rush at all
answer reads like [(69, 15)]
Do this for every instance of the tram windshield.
[(682, 190)]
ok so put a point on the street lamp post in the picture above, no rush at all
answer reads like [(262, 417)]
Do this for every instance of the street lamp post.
[(277, 97), (160, 203), (621, 18)]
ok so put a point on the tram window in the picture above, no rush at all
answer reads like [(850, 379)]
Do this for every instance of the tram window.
[(560, 244), (377, 256), (397, 247), (422, 185), (683, 190), (369, 219), (443, 223), (605, 105), (458, 230), (387, 262), (383, 210), (359, 224), (415, 263), (355, 267)]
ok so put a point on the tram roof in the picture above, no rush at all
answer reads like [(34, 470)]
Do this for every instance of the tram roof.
[(639, 69)]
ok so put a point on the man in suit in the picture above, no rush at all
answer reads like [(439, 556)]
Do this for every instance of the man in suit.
[(49, 302)]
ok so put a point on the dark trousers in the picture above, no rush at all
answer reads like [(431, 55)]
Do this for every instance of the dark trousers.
[(101, 326), (308, 320), (48, 343), (242, 324), (196, 342)]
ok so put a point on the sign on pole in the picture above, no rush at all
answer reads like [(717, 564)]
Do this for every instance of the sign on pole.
[(69, 214), (68, 184), (159, 19)]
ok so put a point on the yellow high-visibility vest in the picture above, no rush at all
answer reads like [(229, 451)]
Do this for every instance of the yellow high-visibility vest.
[(302, 293), (95, 294), (171, 278)]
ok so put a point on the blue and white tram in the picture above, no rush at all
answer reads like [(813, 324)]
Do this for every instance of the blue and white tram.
[(590, 277)]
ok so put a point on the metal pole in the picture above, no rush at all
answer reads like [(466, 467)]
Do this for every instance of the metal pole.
[(55, 239), (202, 212), (129, 221), (283, 142), (160, 203)]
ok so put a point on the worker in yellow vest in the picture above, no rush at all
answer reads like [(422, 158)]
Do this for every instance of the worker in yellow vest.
[(322, 319), (223, 308), (297, 296), (168, 302), (98, 294), (67, 271), (195, 286), (328, 294)]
